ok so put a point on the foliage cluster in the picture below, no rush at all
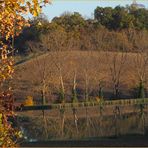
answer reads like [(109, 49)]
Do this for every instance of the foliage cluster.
[(111, 29), (11, 24), (122, 17), (29, 101)]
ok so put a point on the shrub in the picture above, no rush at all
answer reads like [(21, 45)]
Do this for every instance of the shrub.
[(101, 92), (141, 91), (29, 101), (74, 96), (61, 97)]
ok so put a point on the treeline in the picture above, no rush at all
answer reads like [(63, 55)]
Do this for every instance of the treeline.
[(113, 29)]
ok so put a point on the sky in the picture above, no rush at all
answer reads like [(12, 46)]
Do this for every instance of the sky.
[(84, 7)]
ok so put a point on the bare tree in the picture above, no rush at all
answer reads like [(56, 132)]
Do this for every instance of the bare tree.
[(99, 72), (87, 72), (55, 40), (40, 69), (141, 66), (74, 94), (41, 75), (88, 60), (141, 60), (116, 62)]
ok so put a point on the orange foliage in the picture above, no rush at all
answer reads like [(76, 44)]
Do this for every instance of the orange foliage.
[(29, 101), (11, 24)]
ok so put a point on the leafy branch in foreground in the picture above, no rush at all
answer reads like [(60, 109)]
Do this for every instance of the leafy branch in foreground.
[(11, 24)]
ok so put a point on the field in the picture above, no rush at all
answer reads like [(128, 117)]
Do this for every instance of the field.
[(91, 68)]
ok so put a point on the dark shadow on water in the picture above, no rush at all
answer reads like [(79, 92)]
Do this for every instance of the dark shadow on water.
[(125, 140)]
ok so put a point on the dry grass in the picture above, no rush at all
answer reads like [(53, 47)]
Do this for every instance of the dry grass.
[(29, 74)]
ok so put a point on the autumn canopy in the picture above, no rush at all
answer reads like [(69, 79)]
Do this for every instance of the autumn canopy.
[(12, 21)]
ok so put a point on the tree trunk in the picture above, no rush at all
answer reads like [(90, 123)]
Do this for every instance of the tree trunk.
[(43, 112), (116, 91), (45, 125), (62, 114), (75, 119), (87, 122), (43, 93)]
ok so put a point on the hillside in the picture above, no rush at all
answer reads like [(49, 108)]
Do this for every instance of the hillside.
[(89, 67)]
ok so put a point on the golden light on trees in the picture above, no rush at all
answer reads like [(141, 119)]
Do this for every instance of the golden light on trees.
[(12, 22)]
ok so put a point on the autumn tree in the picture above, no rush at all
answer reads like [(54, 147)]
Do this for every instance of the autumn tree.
[(70, 21), (54, 40), (11, 23), (104, 16)]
